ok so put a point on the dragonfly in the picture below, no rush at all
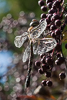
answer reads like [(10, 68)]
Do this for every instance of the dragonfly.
[(37, 45)]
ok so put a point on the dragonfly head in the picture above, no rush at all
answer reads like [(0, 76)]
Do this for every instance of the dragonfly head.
[(34, 22)]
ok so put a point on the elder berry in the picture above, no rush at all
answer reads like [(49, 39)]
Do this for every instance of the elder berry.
[(52, 27), (48, 20), (58, 55), (48, 27), (49, 16), (62, 75), (56, 3), (57, 32), (51, 11), (49, 83), (41, 2), (37, 63), (44, 8), (48, 74), (53, 34), (49, 5), (41, 71), (44, 82), (45, 67), (43, 15), (42, 55), (61, 60), (49, 61), (57, 22), (56, 16), (58, 47), (54, 6)]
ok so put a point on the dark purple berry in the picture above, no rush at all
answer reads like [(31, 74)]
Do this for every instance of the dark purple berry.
[(49, 5), (44, 8), (53, 34), (48, 27), (58, 47), (49, 83), (49, 61), (43, 15), (61, 60), (66, 46), (54, 6), (48, 74), (44, 82), (62, 75), (57, 32), (57, 22), (37, 63), (45, 67), (42, 55), (51, 11), (56, 16), (52, 27), (48, 20), (41, 20), (56, 3), (49, 16), (41, 71), (41, 2), (58, 55)]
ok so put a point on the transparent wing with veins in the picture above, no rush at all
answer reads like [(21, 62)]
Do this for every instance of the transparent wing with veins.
[(19, 40), (38, 30), (44, 45), (26, 54)]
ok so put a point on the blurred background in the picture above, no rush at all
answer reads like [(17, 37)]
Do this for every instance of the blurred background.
[(15, 16)]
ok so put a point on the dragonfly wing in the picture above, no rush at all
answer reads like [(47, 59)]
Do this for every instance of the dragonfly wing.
[(26, 54), (19, 40), (38, 30), (44, 45)]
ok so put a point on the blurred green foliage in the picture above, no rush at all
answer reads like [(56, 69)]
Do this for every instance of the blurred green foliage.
[(15, 6)]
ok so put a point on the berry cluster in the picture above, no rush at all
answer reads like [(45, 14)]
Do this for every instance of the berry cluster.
[(55, 26)]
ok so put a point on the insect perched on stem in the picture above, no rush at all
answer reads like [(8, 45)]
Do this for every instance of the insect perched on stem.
[(37, 45)]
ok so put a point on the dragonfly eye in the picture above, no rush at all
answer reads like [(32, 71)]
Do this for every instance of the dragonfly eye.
[(34, 23)]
